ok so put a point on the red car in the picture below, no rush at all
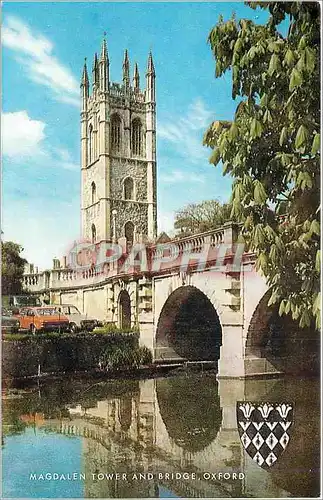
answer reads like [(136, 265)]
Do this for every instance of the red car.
[(42, 319)]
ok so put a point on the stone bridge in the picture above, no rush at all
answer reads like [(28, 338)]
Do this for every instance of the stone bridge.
[(197, 298)]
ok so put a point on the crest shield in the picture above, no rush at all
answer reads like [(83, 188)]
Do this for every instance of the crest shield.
[(264, 429)]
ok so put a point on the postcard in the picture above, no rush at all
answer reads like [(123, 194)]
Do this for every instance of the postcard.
[(161, 250)]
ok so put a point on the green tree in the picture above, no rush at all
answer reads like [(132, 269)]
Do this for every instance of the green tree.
[(12, 268), (198, 217), (272, 146)]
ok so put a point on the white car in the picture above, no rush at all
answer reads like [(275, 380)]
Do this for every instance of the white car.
[(77, 320)]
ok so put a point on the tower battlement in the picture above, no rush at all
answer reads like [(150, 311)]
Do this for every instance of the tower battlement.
[(118, 153)]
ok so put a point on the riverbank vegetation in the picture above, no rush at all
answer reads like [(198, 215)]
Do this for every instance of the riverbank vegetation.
[(271, 147), (125, 357)]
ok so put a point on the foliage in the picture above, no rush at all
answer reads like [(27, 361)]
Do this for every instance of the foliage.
[(272, 146), (12, 268), (112, 328), (40, 337), (200, 217), (124, 357), (17, 336)]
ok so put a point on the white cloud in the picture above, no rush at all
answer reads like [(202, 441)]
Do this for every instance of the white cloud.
[(21, 136), (185, 134), (35, 53), (181, 176), (24, 139)]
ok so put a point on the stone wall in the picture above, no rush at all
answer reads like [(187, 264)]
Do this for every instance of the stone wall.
[(22, 358)]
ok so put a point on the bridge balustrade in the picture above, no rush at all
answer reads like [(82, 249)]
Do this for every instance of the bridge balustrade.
[(174, 249)]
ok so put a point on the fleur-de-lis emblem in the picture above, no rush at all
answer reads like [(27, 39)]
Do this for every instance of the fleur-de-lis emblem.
[(247, 409), (265, 410), (283, 409)]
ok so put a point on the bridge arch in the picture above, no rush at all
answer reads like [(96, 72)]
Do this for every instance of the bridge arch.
[(188, 327), (280, 342), (124, 309)]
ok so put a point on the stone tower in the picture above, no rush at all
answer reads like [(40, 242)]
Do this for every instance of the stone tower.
[(118, 153)]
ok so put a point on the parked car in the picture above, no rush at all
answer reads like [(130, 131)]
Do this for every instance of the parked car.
[(78, 321), (42, 319), (9, 323)]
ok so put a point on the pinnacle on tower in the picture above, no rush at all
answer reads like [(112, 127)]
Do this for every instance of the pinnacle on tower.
[(150, 79), (85, 77), (125, 69), (104, 51), (150, 65), (104, 66), (95, 71), (136, 78)]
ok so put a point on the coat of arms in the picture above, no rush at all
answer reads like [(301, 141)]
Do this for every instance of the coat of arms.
[(264, 429)]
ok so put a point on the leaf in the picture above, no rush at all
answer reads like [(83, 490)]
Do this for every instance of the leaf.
[(238, 192), (317, 303), (227, 167), (283, 136), (273, 298), (267, 116), (233, 131), (316, 144), (304, 180), (273, 254), (301, 136), (259, 235), (262, 261), (285, 159), (264, 100), (238, 45), (270, 233), (215, 157), (295, 79), (305, 319), (281, 308), (301, 66), (260, 195), (256, 128), (310, 59), (252, 52), (315, 227), (302, 42), (279, 243), (289, 58), (274, 64), (318, 261)]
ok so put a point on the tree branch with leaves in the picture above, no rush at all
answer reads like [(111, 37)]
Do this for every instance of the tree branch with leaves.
[(271, 148)]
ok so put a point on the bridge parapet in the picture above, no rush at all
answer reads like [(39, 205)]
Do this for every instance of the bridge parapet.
[(170, 254), (36, 282)]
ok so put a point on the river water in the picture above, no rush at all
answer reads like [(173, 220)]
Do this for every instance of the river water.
[(170, 437)]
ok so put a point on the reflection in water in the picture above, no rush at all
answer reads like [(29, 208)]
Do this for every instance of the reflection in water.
[(192, 422), (153, 438)]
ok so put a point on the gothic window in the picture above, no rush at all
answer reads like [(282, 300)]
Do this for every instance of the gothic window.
[(90, 145), (116, 133), (129, 230), (93, 231), (93, 193), (136, 137), (128, 189)]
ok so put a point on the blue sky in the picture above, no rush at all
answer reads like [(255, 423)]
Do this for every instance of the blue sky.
[(44, 45)]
